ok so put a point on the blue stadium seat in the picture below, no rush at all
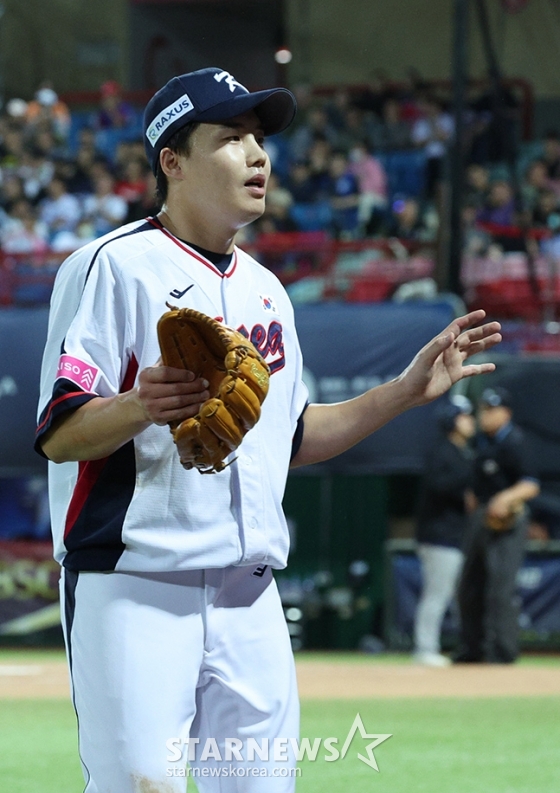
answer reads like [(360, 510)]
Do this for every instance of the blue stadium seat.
[(279, 153), (406, 172), (312, 217), (106, 140)]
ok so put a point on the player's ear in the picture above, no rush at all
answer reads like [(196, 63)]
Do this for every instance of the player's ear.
[(170, 163)]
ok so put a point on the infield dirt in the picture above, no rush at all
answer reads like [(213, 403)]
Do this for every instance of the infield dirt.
[(324, 678)]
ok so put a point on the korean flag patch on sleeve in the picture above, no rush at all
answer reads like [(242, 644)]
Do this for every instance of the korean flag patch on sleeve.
[(268, 304)]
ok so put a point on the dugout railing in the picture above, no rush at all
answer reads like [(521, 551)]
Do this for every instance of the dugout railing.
[(520, 284)]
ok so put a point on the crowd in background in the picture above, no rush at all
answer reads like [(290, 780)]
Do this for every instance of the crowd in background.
[(58, 196), (59, 188)]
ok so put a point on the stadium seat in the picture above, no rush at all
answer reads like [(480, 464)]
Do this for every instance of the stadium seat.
[(312, 217), (366, 289), (406, 171), (509, 298)]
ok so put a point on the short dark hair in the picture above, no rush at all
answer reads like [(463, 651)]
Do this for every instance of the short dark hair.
[(179, 142)]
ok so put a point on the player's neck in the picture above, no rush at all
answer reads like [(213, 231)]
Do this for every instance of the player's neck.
[(205, 234)]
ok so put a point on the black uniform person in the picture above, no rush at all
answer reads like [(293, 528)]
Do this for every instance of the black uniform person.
[(496, 536), (442, 519)]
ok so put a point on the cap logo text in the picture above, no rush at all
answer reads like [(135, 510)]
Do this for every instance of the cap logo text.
[(230, 80), (168, 115)]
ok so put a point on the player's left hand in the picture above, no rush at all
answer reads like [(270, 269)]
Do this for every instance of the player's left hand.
[(441, 363)]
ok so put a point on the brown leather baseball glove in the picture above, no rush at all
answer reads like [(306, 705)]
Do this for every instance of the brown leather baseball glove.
[(238, 380)]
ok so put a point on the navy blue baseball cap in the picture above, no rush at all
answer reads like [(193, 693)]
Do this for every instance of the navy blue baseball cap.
[(210, 95), (495, 397)]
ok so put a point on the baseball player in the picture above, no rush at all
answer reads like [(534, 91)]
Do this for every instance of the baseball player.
[(173, 624)]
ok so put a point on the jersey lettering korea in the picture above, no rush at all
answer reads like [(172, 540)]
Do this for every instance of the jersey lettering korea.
[(138, 509)]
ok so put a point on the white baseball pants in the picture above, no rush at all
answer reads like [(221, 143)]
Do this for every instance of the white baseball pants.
[(441, 568), (157, 658)]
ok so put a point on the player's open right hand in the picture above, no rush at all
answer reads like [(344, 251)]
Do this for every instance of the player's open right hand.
[(168, 394)]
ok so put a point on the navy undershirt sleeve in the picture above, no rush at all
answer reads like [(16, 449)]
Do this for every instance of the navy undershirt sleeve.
[(298, 434)]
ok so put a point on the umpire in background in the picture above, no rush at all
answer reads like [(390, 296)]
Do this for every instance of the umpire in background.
[(494, 543), (442, 519)]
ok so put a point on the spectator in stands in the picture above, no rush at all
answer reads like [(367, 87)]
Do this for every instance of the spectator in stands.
[(344, 196), (132, 184), (47, 111), (536, 181), (36, 171), (127, 150), (477, 182), (496, 118), (11, 190), (136, 148), (412, 95), (45, 142), (146, 205), (11, 148), (276, 217), (546, 212), (114, 112), (86, 138), (103, 210), (300, 182), (378, 91), (476, 241), (319, 164), (372, 183), (337, 108), (446, 495), (355, 130), (407, 222), (16, 110), (61, 212), (304, 96), (316, 126), (499, 208), (87, 161), (391, 131), (77, 171), (551, 155), (433, 133), (22, 231)]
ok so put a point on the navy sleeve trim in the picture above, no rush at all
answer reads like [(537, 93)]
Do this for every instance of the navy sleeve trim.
[(298, 434), (66, 396)]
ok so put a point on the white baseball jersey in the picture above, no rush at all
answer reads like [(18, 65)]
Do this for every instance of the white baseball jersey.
[(138, 509)]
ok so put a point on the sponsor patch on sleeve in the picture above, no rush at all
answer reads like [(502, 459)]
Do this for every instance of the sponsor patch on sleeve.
[(82, 374)]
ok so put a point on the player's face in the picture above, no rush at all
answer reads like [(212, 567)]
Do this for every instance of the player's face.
[(227, 170), (491, 419), (465, 425)]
